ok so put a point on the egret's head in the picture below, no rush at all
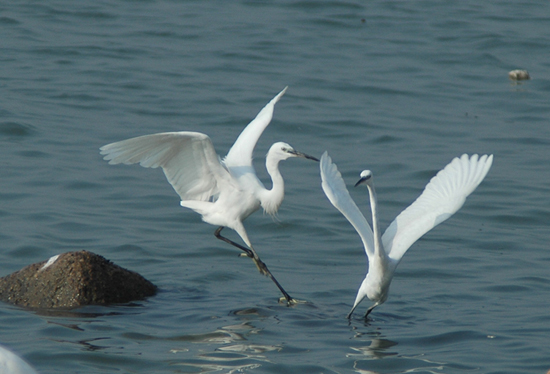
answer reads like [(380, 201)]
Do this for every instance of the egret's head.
[(283, 151), (366, 177)]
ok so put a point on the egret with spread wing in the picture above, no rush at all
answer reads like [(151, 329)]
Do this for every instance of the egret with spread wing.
[(442, 197), (224, 192)]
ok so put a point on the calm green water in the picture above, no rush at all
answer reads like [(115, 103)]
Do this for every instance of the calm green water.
[(397, 87)]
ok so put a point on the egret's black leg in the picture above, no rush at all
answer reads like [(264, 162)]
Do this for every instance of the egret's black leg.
[(369, 310), (217, 234), (262, 267)]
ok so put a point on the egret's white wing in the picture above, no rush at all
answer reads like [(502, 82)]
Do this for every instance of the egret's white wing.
[(10, 363), (188, 160), (240, 153), (442, 197), (338, 194)]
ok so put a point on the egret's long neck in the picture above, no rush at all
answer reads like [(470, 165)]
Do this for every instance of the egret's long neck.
[(378, 248), (272, 199)]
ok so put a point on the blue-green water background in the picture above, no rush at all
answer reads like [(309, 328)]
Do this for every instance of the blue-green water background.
[(394, 86)]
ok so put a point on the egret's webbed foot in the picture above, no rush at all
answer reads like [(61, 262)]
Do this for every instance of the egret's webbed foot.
[(284, 300)]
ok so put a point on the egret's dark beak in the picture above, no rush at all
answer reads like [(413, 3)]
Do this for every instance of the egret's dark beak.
[(361, 181), (303, 155)]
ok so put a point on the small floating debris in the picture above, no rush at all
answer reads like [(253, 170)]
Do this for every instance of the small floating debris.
[(519, 75)]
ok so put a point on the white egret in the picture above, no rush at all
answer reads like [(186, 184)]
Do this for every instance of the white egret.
[(10, 363), (442, 197), (224, 192)]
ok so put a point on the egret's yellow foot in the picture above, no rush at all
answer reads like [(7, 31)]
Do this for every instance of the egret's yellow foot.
[(283, 300)]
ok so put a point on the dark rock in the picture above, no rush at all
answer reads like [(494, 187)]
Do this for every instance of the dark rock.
[(73, 279)]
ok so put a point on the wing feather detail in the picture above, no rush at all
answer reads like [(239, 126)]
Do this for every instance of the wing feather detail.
[(188, 160), (334, 187), (240, 153), (442, 197)]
